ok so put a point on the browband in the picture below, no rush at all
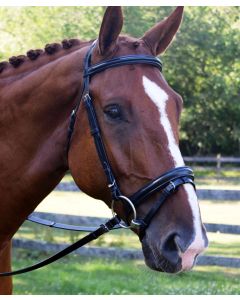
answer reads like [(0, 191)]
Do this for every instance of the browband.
[(122, 61)]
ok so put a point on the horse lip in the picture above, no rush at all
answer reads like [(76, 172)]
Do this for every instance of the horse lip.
[(163, 266), (157, 262)]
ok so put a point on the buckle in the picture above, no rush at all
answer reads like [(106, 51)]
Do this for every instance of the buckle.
[(173, 185), (86, 98), (170, 188)]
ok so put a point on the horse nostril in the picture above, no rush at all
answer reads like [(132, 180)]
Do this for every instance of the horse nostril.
[(182, 244), (170, 249)]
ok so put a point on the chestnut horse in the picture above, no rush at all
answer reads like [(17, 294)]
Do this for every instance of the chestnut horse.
[(138, 113)]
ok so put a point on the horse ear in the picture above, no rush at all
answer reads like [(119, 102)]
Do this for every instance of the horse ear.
[(110, 29), (161, 35)]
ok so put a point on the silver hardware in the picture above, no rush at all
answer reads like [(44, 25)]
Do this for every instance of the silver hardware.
[(104, 226), (112, 184), (133, 209), (86, 97), (135, 224), (173, 185)]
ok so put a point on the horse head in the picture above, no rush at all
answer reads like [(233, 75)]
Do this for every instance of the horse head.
[(138, 114)]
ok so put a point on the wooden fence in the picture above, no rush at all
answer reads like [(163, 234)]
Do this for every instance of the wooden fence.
[(218, 161), (123, 253)]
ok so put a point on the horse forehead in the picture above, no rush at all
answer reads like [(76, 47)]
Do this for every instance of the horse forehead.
[(126, 82), (130, 45), (154, 91)]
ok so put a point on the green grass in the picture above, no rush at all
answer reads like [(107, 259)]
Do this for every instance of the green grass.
[(212, 172), (76, 275), (226, 178)]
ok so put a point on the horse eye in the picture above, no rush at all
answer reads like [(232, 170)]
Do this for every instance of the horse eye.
[(113, 112)]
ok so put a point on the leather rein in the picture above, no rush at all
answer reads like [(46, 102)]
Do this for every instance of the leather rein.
[(167, 183)]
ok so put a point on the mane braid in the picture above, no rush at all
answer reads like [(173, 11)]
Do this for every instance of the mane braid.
[(52, 48), (16, 61), (32, 55)]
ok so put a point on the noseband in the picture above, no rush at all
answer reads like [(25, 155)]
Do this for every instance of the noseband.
[(167, 183)]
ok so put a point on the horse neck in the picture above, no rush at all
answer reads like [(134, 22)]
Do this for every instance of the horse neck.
[(34, 118)]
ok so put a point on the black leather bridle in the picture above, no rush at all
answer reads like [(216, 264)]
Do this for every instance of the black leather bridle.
[(167, 183)]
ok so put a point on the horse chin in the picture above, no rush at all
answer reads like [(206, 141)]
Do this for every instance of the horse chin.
[(157, 262)]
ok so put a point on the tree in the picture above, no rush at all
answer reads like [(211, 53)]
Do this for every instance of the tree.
[(202, 64)]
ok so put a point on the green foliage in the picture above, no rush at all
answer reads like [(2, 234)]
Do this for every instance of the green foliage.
[(208, 78), (23, 28), (202, 64)]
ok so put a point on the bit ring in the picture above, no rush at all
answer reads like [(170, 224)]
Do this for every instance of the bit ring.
[(132, 206)]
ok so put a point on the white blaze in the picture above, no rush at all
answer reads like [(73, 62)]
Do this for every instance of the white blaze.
[(198, 243), (160, 98)]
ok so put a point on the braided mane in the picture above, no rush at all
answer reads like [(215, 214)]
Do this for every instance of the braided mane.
[(49, 49)]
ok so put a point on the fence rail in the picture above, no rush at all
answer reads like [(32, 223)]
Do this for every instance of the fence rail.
[(222, 228), (212, 159), (217, 160), (122, 253)]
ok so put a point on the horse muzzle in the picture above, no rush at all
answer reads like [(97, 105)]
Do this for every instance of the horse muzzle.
[(174, 252)]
